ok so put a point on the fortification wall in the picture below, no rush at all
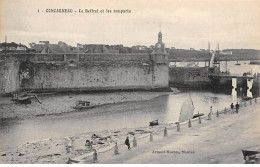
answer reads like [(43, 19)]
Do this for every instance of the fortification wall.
[(56, 72), (191, 76), (94, 75), (9, 75)]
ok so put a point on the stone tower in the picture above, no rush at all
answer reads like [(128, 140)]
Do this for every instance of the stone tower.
[(159, 58), (159, 46)]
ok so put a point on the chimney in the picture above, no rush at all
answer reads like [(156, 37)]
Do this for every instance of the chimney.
[(47, 46)]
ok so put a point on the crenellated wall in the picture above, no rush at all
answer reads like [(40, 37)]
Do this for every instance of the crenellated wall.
[(58, 72)]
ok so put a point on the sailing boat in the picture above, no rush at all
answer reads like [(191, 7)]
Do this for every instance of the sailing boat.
[(237, 63), (187, 110)]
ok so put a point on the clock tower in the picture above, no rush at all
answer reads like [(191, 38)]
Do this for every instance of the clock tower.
[(160, 64), (159, 46)]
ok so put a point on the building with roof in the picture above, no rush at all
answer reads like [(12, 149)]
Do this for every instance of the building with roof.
[(52, 48), (65, 47), (36, 47), (91, 48), (46, 47), (12, 47)]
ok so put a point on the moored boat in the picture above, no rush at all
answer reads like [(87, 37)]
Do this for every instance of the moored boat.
[(154, 122), (238, 63), (255, 62), (24, 98), (83, 105), (197, 115), (251, 156)]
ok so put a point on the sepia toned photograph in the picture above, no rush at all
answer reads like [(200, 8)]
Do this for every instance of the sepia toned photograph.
[(129, 82)]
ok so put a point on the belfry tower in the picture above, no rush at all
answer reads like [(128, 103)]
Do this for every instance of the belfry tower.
[(160, 64), (159, 46)]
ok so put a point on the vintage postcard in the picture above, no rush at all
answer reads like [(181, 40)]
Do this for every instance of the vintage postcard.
[(129, 82)]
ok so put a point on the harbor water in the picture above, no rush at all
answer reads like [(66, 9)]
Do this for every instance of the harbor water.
[(122, 115), (165, 108)]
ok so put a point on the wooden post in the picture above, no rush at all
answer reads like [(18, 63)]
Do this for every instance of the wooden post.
[(151, 137), (178, 127), (116, 149), (217, 114), (165, 132), (189, 124), (134, 142), (199, 120)]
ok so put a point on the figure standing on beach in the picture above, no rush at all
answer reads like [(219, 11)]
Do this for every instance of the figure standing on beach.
[(232, 107), (88, 145), (127, 142), (237, 107)]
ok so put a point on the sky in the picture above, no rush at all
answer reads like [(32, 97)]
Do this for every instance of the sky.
[(184, 23)]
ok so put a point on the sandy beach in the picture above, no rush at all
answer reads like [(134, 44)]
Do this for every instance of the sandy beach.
[(59, 150), (219, 140)]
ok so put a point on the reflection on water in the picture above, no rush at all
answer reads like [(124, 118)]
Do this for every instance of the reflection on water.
[(249, 85), (110, 117), (234, 93)]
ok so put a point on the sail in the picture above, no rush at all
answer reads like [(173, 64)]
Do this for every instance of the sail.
[(212, 59), (187, 110)]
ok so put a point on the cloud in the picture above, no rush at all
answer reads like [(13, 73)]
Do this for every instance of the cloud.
[(184, 23)]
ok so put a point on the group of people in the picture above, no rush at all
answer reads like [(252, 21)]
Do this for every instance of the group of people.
[(236, 106)]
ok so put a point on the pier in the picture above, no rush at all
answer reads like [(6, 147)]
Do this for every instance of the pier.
[(230, 76)]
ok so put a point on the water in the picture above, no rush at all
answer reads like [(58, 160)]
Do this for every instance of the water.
[(239, 69), (225, 66), (109, 117)]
